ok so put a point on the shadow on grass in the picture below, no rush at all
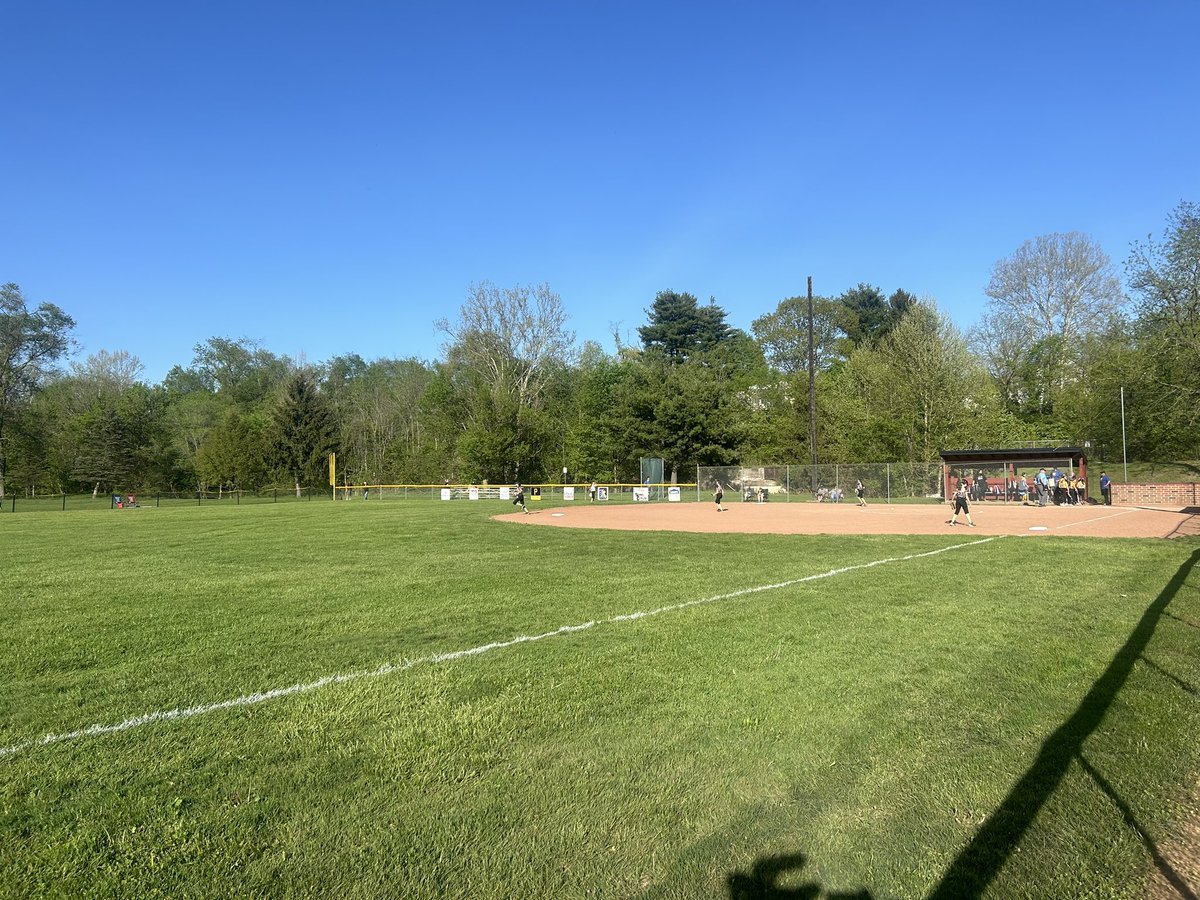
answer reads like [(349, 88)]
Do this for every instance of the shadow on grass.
[(981, 860), (762, 882)]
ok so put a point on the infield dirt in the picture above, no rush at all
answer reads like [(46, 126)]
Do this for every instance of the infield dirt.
[(875, 518)]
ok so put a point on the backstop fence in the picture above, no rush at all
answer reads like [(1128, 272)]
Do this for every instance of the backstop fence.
[(881, 481)]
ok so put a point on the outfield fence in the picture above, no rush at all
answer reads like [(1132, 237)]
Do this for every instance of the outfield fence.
[(609, 492), (782, 483), (14, 503)]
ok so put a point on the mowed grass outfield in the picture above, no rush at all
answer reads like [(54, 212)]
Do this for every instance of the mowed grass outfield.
[(1014, 717)]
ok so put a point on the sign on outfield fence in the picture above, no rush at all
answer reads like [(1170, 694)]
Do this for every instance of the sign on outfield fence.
[(673, 495), (568, 493)]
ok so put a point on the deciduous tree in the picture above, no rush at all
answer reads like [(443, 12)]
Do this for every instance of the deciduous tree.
[(1165, 277), (783, 334), (31, 342), (503, 353), (1045, 300)]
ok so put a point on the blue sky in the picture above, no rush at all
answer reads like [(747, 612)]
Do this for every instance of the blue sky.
[(330, 178)]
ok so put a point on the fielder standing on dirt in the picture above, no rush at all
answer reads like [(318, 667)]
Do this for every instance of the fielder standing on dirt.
[(961, 505)]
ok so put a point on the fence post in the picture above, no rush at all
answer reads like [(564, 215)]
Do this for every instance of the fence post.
[(889, 481), (64, 502)]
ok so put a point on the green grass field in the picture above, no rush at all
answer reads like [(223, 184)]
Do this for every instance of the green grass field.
[(1015, 717)]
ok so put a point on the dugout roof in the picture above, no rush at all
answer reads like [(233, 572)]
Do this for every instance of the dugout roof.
[(1017, 456)]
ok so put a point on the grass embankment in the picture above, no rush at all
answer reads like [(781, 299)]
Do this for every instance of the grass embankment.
[(994, 716), (1147, 472)]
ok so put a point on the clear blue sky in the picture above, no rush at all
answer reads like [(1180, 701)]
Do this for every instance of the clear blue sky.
[(329, 178)]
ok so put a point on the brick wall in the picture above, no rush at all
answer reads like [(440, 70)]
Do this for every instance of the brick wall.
[(1171, 496)]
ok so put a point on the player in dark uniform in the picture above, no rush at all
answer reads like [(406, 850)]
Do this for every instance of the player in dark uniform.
[(519, 499), (961, 505)]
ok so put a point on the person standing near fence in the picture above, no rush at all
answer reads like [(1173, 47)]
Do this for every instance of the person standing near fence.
[(861, 493), (1106, 488), (592, 493), (718, 496)]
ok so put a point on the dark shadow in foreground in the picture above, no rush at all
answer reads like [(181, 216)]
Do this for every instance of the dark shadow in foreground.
[(762, 882), (981, 860)]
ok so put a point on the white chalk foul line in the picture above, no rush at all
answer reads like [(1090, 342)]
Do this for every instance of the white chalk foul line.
[(1114, 515), (394, 668)]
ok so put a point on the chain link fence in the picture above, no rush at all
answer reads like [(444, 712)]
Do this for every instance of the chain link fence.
[(788, 483)]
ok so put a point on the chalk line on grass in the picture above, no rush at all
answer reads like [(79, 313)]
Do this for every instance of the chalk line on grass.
[(433, 659)]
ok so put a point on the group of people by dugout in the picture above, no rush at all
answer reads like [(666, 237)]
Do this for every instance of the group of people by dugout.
[(1046, 487), (1061, 488)]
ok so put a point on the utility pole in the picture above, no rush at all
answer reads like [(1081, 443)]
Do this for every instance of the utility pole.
[(1124, 452), (812, 391)]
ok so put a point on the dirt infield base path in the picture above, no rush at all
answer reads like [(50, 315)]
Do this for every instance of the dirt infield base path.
[(875, 518)]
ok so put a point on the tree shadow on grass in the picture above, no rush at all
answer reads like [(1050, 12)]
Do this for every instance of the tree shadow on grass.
[(981, 860), (762, 882)]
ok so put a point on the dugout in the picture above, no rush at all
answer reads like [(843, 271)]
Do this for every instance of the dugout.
[(1000, 466)]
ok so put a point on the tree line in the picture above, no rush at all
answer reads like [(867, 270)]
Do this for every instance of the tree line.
[(515, 396)]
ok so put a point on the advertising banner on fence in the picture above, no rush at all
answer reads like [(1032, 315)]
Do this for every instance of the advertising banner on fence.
[(601, 493), (641, 495), (568, 493), (673, 494), (445, 493), (505, 493), (472, 493)]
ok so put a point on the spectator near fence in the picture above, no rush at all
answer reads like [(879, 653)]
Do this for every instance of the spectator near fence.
[(1106, 488)]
